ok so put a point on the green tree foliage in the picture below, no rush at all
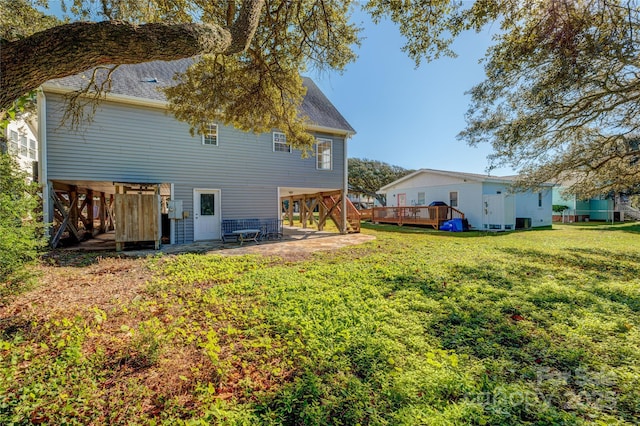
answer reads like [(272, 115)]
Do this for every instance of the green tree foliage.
[(560, 99), (366, 177), (250, 53), (20, 230)]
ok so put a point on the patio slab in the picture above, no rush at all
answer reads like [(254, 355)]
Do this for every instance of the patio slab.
[(296, 242)]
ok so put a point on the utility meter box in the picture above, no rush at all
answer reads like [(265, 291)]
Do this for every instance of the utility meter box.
[(175, 209)]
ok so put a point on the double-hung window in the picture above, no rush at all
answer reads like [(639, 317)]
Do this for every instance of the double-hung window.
[(280, 142), (24, 147), (210, 135), (323, 154), (453, 198), (33, 152), (14, 145)]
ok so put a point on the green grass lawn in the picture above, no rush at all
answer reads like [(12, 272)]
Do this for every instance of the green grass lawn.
[(416, 327)]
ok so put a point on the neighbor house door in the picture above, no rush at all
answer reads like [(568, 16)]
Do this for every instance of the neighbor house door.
[(402, 200), (206, 217)]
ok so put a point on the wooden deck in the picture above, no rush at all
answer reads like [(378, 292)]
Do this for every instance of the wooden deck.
[(415, 215)]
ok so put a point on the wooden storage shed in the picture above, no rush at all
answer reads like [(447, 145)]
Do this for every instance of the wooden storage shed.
[(137, 214)]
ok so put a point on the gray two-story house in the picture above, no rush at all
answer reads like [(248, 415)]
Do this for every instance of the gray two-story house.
[(133, 145)]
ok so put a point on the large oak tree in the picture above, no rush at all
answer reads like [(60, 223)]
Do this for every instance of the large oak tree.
[(560, 101), (560, 93), (250, 52)]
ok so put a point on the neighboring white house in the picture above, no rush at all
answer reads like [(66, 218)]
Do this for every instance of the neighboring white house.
[(488, 202), (22, 142)]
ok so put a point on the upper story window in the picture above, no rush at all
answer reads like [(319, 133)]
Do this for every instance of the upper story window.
[(323, 154), (24, 147), (280, 142), (32, 149), (14, 145), (210, 135)]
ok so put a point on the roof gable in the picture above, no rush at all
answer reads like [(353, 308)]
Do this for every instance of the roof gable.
[(144, 80), (461, 176)]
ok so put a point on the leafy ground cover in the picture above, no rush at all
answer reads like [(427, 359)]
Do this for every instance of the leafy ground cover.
[(416, 327)]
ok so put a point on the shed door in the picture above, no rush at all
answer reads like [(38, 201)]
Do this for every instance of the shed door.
[(206, 218)]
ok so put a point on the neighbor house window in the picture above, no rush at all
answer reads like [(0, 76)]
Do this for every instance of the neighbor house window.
[(210, 135), (24, 148), (422, 199), (323, 154), (280, 142), (14, 146), (32, 149), (453, 199), (539, 199)]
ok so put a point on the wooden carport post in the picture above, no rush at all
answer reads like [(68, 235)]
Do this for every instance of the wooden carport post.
[(102, 212), (89, 224), (290, 211)]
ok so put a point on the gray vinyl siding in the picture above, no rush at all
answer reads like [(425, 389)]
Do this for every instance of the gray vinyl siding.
[(143, 144)]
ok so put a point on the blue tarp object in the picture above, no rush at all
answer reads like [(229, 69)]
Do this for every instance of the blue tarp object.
[(453, 225)]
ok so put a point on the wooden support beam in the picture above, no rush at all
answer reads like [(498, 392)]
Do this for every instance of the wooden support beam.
[(290, 211), (73, 207), (66, 221), (303, 212), (110, 222), (89, 203), (102, 213)]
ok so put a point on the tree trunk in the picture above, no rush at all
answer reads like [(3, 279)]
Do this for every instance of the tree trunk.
[(72, 48)]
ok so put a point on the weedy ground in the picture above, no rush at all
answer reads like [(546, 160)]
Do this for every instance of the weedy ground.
[(416, 327)]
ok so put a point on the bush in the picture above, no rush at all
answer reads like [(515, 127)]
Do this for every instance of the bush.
[(20, 228)]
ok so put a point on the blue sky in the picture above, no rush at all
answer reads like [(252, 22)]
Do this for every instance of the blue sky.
[(406, 116)]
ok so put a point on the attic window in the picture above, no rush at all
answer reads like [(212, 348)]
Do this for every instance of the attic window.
[(150, 80)]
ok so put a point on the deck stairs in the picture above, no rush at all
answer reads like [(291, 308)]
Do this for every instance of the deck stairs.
[(333, 206)]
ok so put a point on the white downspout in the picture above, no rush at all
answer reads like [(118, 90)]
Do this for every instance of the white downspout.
[(345, 187), (47, 207)]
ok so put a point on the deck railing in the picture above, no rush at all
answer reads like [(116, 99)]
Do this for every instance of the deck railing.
[(416, 215)]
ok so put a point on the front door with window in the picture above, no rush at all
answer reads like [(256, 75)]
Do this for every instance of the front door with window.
[(206, 217)]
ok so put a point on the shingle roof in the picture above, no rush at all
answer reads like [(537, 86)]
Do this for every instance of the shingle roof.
[(143, 81)]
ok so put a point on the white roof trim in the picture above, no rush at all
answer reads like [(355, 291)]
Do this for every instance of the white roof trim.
[(132, 100), (460, 175)]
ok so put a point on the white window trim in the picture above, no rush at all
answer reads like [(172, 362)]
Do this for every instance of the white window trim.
[(208, 134), (273, 138), (318, 142), (457, 199)]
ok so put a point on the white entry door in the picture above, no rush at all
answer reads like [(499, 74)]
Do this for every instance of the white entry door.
[(206, 214)]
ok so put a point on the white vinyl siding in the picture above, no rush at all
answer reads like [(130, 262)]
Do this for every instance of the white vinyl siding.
[(280, 142), (324, 154), (210, 137)]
